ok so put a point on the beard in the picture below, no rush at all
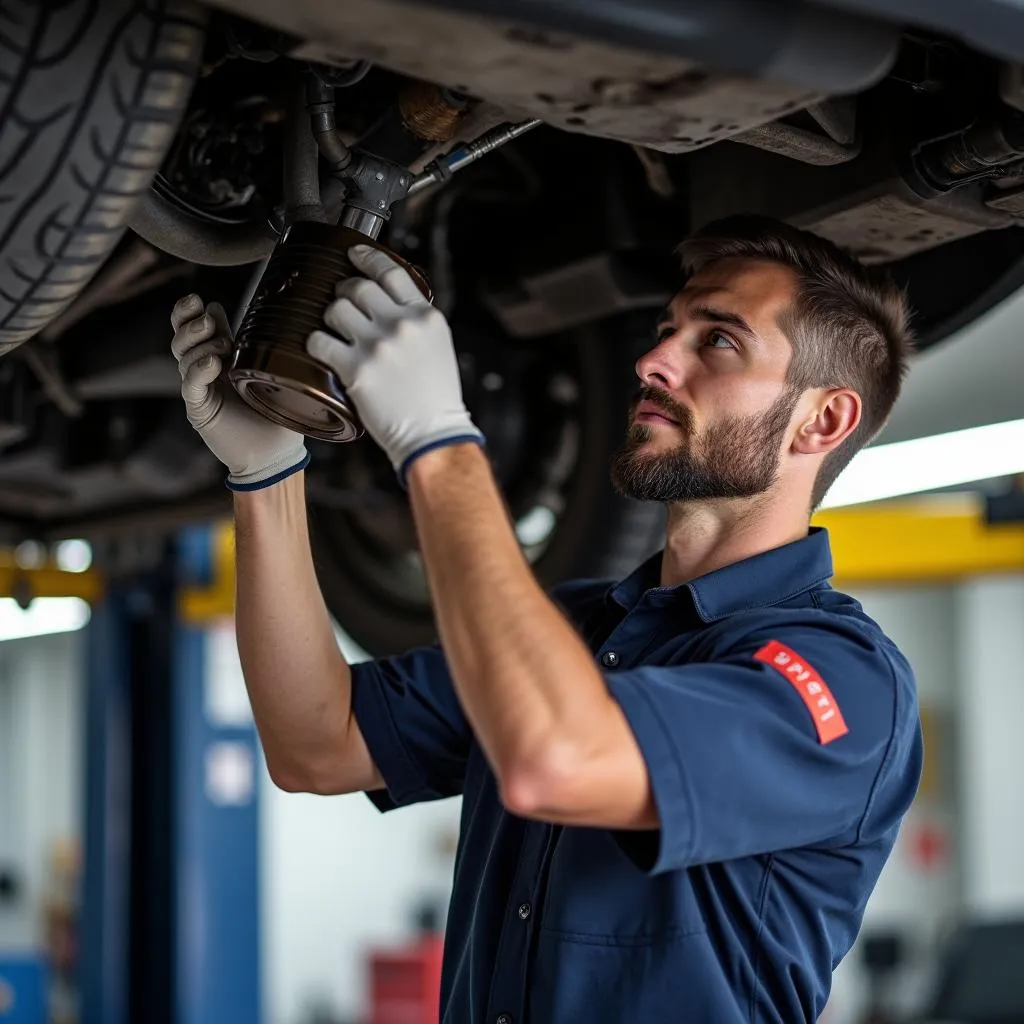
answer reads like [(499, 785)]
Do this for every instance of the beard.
[(734, 457)]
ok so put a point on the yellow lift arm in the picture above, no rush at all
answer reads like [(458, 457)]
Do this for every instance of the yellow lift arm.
[(925, 540)]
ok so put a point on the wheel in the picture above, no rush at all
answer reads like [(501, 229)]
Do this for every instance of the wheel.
[(91, 94), (553, 417)]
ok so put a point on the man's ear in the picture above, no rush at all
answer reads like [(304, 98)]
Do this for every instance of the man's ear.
[(833, 416)]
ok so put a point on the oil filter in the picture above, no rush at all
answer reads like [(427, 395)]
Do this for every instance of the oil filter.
[(271, 369)]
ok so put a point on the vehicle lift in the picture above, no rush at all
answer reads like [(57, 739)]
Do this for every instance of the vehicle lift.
[(169, 920)]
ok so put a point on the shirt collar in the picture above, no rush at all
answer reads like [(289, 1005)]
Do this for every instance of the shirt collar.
[(768, 578)]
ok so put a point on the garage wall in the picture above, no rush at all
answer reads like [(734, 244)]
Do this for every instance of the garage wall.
[(339, 878), (914, 898), (990, 710), (962, 844)]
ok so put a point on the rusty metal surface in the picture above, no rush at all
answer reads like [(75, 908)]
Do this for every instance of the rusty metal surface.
[(1010, 201), (427, 112), (891, 226), (656, 100), (798, 144)]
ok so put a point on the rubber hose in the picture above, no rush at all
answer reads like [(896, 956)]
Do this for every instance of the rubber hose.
[(171, 229)]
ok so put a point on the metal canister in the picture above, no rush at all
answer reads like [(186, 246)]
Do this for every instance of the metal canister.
[(271, 369)]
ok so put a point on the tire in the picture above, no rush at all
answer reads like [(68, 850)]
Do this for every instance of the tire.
[(91, 95), (598, 533)]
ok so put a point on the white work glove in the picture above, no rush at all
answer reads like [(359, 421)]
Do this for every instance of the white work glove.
[(257, 453), (397, 363)]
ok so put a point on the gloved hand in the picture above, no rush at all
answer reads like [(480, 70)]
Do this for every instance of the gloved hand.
[(257, 453), (398, 365)]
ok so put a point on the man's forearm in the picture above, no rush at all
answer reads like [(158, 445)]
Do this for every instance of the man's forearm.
[(559, 744), (527, 683), (298, 681)]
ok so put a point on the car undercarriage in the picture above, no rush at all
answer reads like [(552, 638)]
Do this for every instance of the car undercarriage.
[(149, 148)]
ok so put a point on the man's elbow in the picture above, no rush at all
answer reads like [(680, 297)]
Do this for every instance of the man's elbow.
[(540, 786), (292, 778), (570, 785), (288, 781), (318, 778)]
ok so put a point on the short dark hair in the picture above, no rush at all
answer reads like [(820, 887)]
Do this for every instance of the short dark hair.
[(849, 324)]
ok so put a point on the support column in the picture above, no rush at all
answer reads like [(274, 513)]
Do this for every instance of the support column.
[(217, 819), (104, 919), (125, 969), (991, 755)]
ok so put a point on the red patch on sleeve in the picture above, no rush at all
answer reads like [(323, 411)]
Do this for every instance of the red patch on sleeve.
[(828, 719)]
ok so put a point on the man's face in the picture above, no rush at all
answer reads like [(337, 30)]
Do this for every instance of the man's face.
[(714, 409)]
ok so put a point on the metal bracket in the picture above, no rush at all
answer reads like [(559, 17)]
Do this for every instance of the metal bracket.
[(372, 186)]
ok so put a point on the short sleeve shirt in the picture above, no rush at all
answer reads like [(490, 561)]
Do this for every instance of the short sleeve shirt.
[(780, 730)]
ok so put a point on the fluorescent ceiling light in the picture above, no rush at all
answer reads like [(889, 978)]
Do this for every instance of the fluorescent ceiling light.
[(45, 615), (928, 463)]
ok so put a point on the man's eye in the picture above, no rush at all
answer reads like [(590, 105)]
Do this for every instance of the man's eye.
[(716, 339)]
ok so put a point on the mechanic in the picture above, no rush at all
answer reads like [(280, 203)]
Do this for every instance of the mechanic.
[(678, 789)]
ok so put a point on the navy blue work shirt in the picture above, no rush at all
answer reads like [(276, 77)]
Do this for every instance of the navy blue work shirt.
[(780, 730)]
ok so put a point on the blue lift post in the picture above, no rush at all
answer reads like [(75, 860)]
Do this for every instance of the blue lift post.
[(104, 964), (217, 844), (170, 924)]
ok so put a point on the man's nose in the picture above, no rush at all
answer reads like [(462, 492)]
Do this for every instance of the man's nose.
[(661, 366)]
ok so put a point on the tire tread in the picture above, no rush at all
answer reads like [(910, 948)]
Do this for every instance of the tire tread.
[(71, 171)]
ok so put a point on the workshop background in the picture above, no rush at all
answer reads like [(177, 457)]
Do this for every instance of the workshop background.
[(167, 879)]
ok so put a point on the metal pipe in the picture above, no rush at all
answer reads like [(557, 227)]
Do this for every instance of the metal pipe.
[(798, 144), (342, 78), (43, 363), (362, 221), (332, 195), (320, 104), (443, 168), (983, 150), (301, 164), (107, 287)]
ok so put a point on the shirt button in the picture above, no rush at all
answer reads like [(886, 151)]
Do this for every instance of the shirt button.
[(524, 911), (609, 659), (503, 1018)]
